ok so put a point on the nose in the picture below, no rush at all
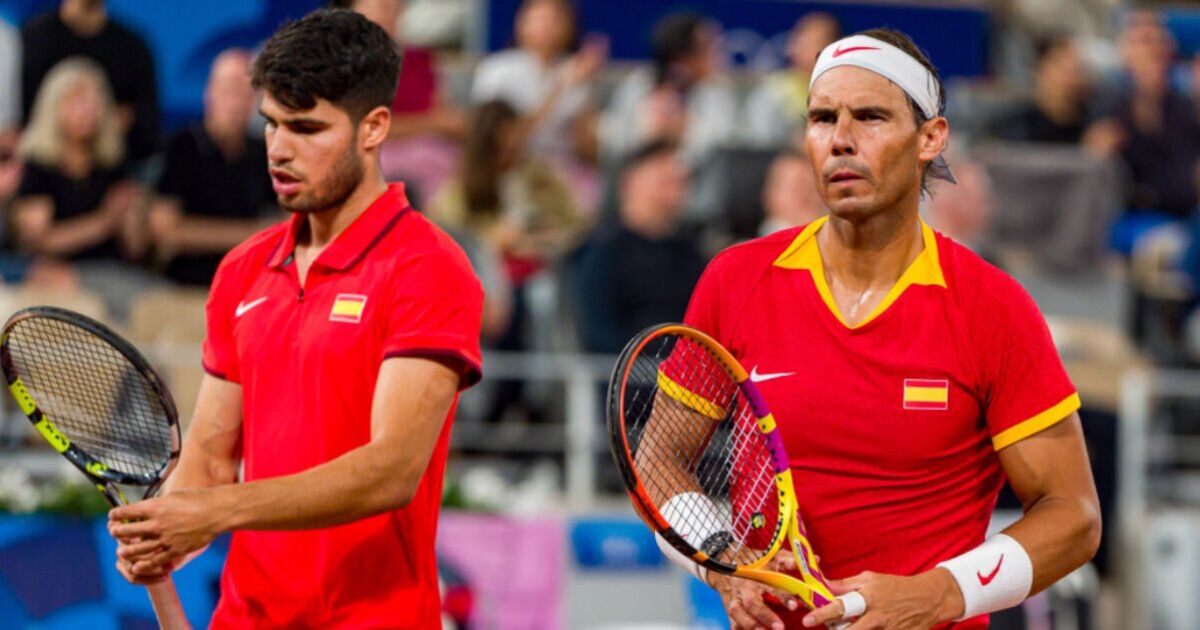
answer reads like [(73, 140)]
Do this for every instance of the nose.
[(279, 146), (843, 136)]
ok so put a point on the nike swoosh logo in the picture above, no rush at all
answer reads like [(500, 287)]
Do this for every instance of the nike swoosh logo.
[(755, 377), (985, 580), (243, 307), (841, 51)]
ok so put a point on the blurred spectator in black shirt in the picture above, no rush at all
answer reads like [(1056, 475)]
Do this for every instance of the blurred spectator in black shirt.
[(214, 185), (75, 201), (1060, 110), (640, 271), (83, 28)]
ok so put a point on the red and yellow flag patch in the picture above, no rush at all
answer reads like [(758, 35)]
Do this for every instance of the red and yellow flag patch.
[(924, 394), (348, 307)]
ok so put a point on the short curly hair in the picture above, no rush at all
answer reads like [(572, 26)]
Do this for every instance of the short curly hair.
[(332, 54)]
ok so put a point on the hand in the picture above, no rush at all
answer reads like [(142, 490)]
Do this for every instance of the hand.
[(743, 598), (118, 203), (592, 56), (157, 535), (896, 602)]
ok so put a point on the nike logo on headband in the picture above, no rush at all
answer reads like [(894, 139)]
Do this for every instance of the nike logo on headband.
[(838, 52)]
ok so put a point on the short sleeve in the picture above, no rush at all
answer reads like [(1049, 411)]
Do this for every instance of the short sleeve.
[(35, 181), (489, 81), (1026, 388), (438, 315), (220, 348)]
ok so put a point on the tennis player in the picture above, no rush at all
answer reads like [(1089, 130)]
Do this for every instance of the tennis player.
[(909, 377), (337, 344)]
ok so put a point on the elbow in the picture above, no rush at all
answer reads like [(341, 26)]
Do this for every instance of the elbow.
[(395, 493), (1090, 529)]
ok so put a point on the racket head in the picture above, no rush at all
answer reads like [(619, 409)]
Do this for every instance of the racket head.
[(683, 421), (93, 397)]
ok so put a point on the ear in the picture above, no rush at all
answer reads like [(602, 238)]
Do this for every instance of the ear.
[(373, 128), (934, 135)]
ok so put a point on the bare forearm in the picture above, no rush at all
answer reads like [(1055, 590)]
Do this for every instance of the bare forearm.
[(201, 236), (69, 236), (1059, 535), (361, 483)]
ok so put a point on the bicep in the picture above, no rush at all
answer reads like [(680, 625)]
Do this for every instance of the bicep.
[(1052, 463), (212, 447), (413, 395)]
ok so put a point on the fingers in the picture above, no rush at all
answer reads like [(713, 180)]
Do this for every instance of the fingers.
[(752, 603), (140, 529), (135, 551), (126, 572), (825, 614), (841, 587), (131, 512)]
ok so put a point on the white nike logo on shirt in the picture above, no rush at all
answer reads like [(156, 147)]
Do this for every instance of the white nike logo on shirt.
[(755, 377), (243, 307)]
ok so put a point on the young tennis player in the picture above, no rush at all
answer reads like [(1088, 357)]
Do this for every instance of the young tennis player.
[(909, 378), (337, 344)]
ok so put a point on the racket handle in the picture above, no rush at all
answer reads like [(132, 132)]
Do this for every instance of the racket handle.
[(167, 607)]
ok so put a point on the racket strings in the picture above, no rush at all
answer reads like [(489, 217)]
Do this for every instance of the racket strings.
[(691, 430), (93, 394)]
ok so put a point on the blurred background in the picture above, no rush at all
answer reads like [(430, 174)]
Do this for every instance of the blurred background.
[(591, 156)]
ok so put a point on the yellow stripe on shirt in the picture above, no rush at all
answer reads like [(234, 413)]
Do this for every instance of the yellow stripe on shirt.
[(689, 399), (1040, 422), (927, 394)]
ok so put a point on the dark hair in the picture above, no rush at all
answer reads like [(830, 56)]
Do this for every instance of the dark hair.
[(675, 39), (332, 54), (342, 4), (905, 43), (647, 152), (480, 162), (1046, 45)]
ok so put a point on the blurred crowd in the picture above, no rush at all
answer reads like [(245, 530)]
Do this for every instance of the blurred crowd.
[(588, 193)]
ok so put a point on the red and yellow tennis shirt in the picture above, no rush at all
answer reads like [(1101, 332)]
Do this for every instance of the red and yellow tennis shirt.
[(390, 285), (891, 425)]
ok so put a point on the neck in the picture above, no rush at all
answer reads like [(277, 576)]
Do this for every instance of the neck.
[(84, 18), (76, 159), (872, 253), (230, 142), (327, 224), (648, 223), (1058, 106)]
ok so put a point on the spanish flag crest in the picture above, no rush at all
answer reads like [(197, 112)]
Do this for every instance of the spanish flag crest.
[(348, 307), (926, 394)]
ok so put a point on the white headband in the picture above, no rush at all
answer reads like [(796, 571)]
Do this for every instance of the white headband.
[(894, 64)]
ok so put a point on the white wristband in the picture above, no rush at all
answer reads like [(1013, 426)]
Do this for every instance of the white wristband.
[(696, 519), (993, 576)]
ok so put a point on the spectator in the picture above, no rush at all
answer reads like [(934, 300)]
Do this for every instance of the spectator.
[(1059, 112), (779, 105), (214, 186), (551, 89), (790, 197), (543, 81), (514, 202), (1163, 133), (642, 270), (423, 141), (683, 99), (75, 201), (963, 211), (83, 28), (10, 91)]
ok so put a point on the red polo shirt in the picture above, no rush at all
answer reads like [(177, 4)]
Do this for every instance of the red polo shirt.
[(390, 285), (892, 424)]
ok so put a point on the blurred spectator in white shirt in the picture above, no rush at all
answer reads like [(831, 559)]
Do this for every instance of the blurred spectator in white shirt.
[(790, 196), (779, 104), (551, 88), (682, 99)]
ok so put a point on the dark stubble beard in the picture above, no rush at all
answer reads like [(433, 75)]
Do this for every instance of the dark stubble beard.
[(344, 178)]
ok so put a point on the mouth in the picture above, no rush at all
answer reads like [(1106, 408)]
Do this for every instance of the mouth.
[(844, 176), (284, 183)]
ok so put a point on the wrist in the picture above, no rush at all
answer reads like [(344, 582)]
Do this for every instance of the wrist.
[(224, 509), (950, 600)]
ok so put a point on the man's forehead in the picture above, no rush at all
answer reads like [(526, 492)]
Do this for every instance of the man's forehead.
[(275, 107), (859, 87)]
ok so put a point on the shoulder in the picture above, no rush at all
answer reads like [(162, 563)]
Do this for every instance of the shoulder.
[(44, 23), (127, 37), (754, 256), (502, 63), (184, 140), (419, 249), (982, 290)]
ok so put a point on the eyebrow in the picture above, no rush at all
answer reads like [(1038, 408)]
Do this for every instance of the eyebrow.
[(301, 120)]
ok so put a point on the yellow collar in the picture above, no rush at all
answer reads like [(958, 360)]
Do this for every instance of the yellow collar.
[(803, 253)]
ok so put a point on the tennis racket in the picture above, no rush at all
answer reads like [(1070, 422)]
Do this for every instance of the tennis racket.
[(703, 461), (98, 402)]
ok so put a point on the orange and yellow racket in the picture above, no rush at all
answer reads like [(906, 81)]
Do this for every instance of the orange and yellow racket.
[(703, 461)]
